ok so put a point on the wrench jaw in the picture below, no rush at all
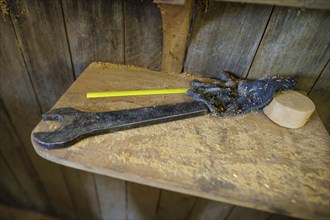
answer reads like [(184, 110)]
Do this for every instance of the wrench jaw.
[(60, 137)]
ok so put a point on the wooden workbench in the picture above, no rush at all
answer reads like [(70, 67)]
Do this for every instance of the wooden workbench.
[(244, 160)]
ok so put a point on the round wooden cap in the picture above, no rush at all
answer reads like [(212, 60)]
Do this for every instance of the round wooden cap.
[(290, 109)]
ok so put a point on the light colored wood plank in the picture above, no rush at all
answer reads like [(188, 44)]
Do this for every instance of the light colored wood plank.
[(143, 34), (95, 31), (225, 36), (112, 197), (205, 209), (320, 94), (18, 96), (241, 213), (266, 167), (8, 212), (176, 27), (81, 186), (141, 201), (318, 4), (296, 43), (174, 205)]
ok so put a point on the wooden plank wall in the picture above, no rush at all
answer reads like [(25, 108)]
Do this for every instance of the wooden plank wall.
[(45, 45)]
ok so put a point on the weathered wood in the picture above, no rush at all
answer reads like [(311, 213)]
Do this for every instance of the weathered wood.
[(317, 4), (225, 36), (112, 197), (143, 34), (22, 168), (11, 191), (141, 201), (8, 212), (18, 94), (95, 31), (320, 94), (267, 167), (241, 213), (281, 217), (296, 43), (205, 209), (82, 189), (174, 206), (176, 27), (44, 46), (172, 2)]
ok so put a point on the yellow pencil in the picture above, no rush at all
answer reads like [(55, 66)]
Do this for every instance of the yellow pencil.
[(136, 92)]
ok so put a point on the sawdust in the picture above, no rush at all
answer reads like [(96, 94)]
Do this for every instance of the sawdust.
[(4, 9)]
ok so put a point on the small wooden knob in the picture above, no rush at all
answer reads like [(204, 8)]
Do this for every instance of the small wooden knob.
[(290, 109)]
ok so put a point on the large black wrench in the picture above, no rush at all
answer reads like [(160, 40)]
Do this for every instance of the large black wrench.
[(77, 124)]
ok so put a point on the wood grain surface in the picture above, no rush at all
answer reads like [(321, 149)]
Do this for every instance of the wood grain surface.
[(44, 46), (18, 95), (225, 36), (95, 31), (318, 4), (233, 160), (143, 36), (296, 43), (176, 26), (320, 94)]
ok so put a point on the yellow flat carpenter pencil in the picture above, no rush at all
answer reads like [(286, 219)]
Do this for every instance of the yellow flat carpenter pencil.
[(136, 92)]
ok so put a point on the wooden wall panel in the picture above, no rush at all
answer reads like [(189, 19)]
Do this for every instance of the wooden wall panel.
[(241, 213), (210, 210), (16, 158), (81, 186), (296, 43), (141, 201), (225, 36), (41, 36), (11, 191), (112, 197), (41, 47), (19, 99), (174, 205), (95, 31), (143, 34), (320, 94)]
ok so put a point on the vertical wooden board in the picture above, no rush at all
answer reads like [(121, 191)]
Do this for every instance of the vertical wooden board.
[(173, 206), (143, 34), (241, 213), (19, 98), (15, 156), (176, 27), (112, 197), (83, 192), (296, 42), (281, 217), (225, 36), (11, 192), (95, 31), (141, 201), (41, 35), (210, 210), (320, 94)]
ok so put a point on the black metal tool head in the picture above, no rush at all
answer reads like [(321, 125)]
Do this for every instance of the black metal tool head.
[(65, 134)]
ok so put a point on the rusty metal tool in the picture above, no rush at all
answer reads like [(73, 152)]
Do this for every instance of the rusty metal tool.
[(77, 124)]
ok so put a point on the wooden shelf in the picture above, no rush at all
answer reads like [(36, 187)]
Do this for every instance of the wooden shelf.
[(244, 160)]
